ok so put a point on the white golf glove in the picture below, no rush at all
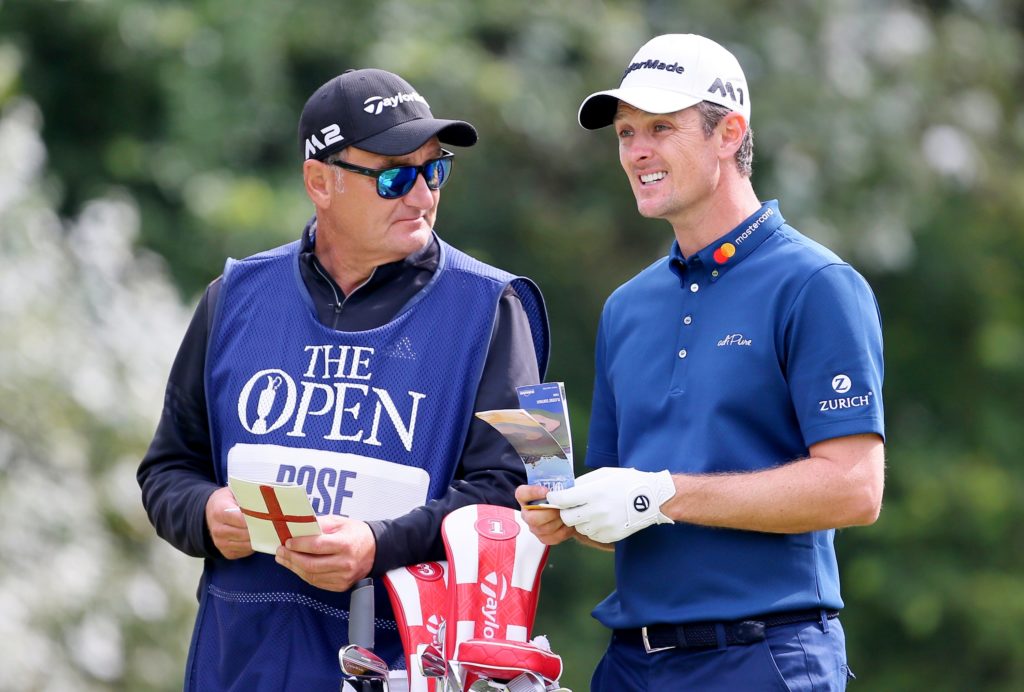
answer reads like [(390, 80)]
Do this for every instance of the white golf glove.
[(611, 503)]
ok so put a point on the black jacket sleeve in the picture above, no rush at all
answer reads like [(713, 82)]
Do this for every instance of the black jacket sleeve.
[(176, 475)]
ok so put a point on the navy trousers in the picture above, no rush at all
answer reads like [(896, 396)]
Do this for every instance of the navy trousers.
[(800, 657)]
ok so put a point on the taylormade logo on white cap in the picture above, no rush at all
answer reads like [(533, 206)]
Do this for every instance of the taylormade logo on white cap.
[(654, 64), (669, 73)]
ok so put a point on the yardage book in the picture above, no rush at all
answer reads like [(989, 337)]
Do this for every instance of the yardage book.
[(539, 432), (274, 512)]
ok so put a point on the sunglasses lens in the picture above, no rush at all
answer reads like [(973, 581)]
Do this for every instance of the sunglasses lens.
[(436, 173), (395, 182)]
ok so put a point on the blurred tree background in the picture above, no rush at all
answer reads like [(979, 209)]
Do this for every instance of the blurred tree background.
[(143, 141)]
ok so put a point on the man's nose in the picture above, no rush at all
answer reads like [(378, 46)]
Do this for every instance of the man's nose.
[(420, 196), (637, 148)]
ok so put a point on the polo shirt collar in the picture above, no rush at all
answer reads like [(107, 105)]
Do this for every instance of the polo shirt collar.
[(733, 247)]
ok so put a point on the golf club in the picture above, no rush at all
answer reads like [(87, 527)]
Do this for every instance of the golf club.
[(432, 664), (364, 670), (358, 661), (526, 681)]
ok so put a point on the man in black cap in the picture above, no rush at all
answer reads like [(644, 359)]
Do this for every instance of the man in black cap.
[(348, 362)]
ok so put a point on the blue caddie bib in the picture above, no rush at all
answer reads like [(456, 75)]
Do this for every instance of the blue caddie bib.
[(391, 405)]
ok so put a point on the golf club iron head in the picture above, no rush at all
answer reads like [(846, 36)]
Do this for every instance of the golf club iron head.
[(452, 680), (360, 662), (527, 681), (484, 685), (432, 664)]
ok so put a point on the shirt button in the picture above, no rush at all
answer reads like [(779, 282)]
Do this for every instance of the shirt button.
[(694, 288), (714, 272), (682, 353), (687, 320)]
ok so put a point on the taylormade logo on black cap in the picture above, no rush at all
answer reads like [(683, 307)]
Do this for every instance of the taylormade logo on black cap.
[(377, 111), (376, 104)]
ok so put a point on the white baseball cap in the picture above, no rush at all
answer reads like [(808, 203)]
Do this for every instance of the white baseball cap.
[(669, 73)]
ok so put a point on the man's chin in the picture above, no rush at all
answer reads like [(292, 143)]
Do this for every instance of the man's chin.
[(418, 230), (417, 238), (649, 211)]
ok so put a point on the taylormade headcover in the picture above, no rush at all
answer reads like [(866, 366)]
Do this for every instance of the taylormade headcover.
[(614, 502), (419, 597), (494, 566)]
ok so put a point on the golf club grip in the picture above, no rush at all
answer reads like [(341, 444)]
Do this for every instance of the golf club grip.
[(361, 614)]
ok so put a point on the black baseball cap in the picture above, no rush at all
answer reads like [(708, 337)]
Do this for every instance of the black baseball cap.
[(374, 110)]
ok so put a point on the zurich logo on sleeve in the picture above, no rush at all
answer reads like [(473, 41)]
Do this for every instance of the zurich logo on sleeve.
[(842, 384)]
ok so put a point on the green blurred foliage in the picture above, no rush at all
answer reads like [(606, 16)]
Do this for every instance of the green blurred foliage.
[(891, 131)]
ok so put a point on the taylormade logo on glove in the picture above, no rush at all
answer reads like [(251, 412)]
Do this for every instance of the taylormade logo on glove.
[(609, 504)]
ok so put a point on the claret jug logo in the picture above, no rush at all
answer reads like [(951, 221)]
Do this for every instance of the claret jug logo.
[(345, 407)]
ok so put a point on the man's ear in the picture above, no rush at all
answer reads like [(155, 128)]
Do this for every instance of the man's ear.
[(320, 182), (731, 129)]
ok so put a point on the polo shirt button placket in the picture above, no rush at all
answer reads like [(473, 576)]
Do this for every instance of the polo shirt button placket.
[(687, 321), (679, 376)]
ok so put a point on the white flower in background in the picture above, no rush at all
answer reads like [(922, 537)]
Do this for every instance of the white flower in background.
[(88, 327)]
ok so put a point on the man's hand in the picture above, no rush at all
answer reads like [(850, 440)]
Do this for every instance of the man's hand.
[(227, 525), (336, 559), (545, 524), (611, 503)]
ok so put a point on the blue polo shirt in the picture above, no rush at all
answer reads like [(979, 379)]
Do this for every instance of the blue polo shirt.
[(737, 358)]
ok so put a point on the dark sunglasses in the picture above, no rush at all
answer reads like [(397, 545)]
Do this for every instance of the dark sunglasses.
[(396, 182)]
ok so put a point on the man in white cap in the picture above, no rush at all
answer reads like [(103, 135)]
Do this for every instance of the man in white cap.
[(737, 413), (349, 362)]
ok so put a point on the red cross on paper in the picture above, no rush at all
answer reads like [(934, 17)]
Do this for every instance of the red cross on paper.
[(275, 514)]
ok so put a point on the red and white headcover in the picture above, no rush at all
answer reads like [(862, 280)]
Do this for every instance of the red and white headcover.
[(419, 597), (494, 569), (504, 660)]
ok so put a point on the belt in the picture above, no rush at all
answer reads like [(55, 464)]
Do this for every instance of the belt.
[(700, 635)]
